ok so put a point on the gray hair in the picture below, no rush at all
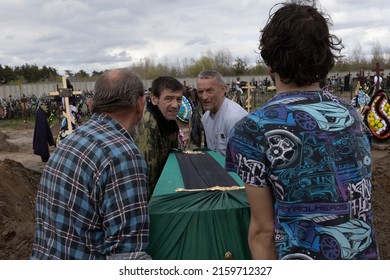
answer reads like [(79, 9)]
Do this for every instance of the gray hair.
[(209, 74), (116, 90)]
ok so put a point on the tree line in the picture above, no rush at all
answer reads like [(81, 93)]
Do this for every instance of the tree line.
[(220, 60)]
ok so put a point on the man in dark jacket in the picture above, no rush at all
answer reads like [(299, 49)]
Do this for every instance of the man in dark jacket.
[(43, 136), (159, 130)]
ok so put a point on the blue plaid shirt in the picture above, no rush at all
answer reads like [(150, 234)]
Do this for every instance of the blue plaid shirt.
[(92, 198)]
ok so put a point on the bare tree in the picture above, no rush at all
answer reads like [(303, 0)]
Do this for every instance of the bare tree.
[(357, 56), (223, 61), (377, 54)]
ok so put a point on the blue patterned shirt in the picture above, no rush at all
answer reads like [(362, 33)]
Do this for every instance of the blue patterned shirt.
[(314, 151), (92, 197)]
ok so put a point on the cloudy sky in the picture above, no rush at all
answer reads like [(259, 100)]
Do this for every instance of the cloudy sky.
[(100, 34)]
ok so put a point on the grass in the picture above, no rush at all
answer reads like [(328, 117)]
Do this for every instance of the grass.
[(16, 123)]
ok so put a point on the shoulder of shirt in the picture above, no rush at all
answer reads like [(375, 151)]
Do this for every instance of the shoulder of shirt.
[(148, 120), (236, 108), (99, 129)]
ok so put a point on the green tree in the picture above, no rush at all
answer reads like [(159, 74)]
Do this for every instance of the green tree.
[(28, 73), (48, 73), (7, 74), (259, 69), (82, 75), (69, 73), (239, 67), (96, 74), (203, 63)]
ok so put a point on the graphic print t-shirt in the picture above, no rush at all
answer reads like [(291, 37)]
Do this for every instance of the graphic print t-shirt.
[(314, 151)]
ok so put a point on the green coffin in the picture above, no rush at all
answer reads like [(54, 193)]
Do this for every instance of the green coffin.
[(197, 224)]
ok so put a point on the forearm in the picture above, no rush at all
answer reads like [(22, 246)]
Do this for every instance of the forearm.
[(262, 245), (261, 229)]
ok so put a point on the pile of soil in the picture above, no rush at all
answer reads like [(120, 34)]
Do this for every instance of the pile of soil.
[(18, 187), (20, 171)]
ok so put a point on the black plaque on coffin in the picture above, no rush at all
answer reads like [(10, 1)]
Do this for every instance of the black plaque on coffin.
[(201, 170)]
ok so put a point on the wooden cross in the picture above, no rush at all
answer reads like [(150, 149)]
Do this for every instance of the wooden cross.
[(377, 73), (23, 100), (249, 97), (361, 77), (66, 92)]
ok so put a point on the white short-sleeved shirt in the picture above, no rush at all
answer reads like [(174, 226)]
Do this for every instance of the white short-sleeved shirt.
[(218, 126)]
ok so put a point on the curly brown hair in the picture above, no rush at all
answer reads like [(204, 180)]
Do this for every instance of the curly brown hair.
[(296, 43)]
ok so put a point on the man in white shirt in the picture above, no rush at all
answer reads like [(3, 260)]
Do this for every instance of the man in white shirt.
[(221, 113)]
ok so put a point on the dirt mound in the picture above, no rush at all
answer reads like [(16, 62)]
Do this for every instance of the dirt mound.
[(6, 146), (381, 196), (18, 187)]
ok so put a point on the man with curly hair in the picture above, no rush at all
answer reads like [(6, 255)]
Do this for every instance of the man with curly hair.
[(304, 156)]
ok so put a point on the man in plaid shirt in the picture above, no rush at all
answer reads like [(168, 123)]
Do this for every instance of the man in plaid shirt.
[(92, 198)]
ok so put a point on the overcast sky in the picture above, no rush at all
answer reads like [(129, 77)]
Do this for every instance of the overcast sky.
[(102, 34)]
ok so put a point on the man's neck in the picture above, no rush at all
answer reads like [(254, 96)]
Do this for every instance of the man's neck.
[(292, 86), (215, 110)]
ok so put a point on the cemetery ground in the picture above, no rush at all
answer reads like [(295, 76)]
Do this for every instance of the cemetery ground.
[(20, 172)]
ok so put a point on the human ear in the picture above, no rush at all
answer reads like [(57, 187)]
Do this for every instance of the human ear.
[(154, 100), (140, 109)]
